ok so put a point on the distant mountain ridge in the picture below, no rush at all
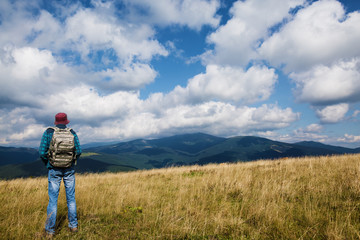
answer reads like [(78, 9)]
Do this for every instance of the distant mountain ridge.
[(186, 149), (187, 143), (329, 147)]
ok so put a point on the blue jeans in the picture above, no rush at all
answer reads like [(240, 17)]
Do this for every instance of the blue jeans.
[(54, 177)]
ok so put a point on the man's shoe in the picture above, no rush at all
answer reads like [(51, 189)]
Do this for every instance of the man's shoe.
[(74, 230)]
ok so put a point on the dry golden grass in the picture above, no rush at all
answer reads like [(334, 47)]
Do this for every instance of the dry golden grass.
[(306, 198)]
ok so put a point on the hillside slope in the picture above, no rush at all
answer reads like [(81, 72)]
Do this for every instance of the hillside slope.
[(12, 155), (190, 149), (307, 198), (180, 150)]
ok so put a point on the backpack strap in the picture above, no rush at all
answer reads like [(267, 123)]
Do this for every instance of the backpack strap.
[(50, 129)]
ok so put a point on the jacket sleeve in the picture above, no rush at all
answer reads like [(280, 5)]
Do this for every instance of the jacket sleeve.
[(44, 147), (77, 145)]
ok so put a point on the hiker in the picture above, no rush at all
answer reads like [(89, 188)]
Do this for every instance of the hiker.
[(60, 150)]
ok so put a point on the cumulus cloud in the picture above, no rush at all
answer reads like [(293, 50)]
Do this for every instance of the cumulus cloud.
[(356, 113), (318, 48), (332, 113), (236, 42), (318, 34), (40, 55), (28, 74), (191, 13), (19, 127), (30, 63), (349, 138), (227, 84), (110, 53), (212, 117), (310, 132), (301, 134), (87, 30), (328, 85), (313, 128), (131, 77), (88, 106), (88, 63), (30, 77), (123, 116)]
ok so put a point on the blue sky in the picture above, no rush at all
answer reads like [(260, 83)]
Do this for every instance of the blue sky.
[(287, 70)]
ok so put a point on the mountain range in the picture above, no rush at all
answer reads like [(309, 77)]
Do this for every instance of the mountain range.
[(187, 149)]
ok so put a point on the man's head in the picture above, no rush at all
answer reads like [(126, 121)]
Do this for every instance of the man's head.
[(61, 118)]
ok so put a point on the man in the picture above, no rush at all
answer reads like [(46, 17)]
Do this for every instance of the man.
[(60, 160)]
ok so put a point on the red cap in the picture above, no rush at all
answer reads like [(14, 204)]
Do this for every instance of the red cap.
[(61, 118)]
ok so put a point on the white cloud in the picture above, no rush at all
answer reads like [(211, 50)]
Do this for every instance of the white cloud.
[(211, 117), (236, 42), (30, 132), (19, 127), (38, 79), (312, 132), (90, 45), (349, 138), (313, 128), (298, 135), (319, 34), (87, 105), (333, 113), (28, 74), (30, 63), (318, 47), (42, 31), (309, 133), (226, 84), (272, 115), (22, 27), (130, 77), (123, 116), (133, 45), (327, 85), (356, 113), (191, 13), (90, 31), (28, 71), (82, 30)]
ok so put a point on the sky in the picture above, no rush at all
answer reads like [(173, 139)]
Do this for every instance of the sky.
[(286, 70)]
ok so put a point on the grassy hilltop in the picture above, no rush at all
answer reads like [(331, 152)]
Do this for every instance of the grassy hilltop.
[(305, 198)]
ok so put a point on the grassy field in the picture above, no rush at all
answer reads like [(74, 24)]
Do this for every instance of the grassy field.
[(305, 198)]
